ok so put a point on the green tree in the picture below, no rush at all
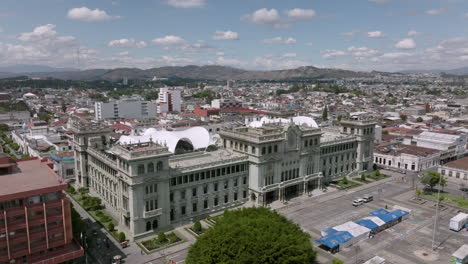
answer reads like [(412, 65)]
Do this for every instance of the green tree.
[(325, 113), (162, 237), (363, 177), (337, 261), (384, 132), (197, 227), (110, 226), (345, 180), (377, 172), (418, 192), (4, 127), (419, 119), (121, 236), (433, 178), (252, 235), (403, 117)]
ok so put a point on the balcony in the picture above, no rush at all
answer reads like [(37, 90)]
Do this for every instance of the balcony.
[(153, 213)]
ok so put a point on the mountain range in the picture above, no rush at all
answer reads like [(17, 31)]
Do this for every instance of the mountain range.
[(209, 72), (457, 71)]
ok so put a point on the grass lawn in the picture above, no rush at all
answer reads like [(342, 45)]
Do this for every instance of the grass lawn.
[(349, 185), (213, 219), (190, 230), (377, 178), (448, 199), (152, 245)]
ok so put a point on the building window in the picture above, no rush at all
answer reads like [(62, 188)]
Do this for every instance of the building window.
[(443, 172), (244, 194), (235, 182), (159, 166), (216, 201), (182, 210), (226, 198), (171, 197), (263, 150), (205, 204), (235, 196), (194, 192), (253, 150), (141, 169), (269, 149), (194, 207), (150, 167), (182, 195), (276, 148), (155, 224), (244, 180), (215, 185), (148, 226), (226, 184)]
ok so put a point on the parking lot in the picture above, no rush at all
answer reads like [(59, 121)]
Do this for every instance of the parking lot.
[(407, 242)]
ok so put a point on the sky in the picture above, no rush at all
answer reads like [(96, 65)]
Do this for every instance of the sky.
[(361, 35)]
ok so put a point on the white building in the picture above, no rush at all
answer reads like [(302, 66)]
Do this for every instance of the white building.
[(170, 100), (406, 157), (456, 171), (454, 146), (126, 108), (147, 186)]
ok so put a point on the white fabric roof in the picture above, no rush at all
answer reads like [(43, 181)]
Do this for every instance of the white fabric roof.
[(197, 136), (354, 229), (298, 120)]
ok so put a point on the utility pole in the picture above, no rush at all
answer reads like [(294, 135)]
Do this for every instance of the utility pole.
[(436, 216)]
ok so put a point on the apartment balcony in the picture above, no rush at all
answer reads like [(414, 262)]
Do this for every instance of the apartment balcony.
[(19, 252), (153, 213)]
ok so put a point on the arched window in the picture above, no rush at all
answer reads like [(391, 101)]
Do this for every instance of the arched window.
[(159, 166), (150, 167), (155, 224), (148, 226), (141, 169)]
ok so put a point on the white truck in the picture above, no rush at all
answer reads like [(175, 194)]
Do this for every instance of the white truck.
[(458, 222)]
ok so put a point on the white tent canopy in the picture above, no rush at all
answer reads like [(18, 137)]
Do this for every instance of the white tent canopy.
[(199, 137)]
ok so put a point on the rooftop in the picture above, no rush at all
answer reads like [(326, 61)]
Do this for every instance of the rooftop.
[(201, 159), (458, 164), (397, 149), (30, 175)]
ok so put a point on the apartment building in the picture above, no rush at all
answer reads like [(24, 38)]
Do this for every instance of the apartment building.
[(132, 107), (35, 216)]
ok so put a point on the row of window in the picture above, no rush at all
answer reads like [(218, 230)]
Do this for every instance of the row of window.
[(183, 209), (149, 167), (200, 176), (151, 205), (337, 157), (311, 142), (152, 188), (336, 171), (335, 148), (366, 131), (205, 188), (457, 174), (290, 174)]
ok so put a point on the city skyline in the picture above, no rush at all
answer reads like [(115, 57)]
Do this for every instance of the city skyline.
[(387, 35)]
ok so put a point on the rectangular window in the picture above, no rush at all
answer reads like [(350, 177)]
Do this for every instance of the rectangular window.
[(244, 180), (216, 201), (194, 191), (244, 194), (194, 207), (225, 184), (182, 210), (235, 182), (205, 189), (235, 196), (171, 197), (276, 148), (205, 204), (226, 198), (182, 195), (253, 150), (215, 185)]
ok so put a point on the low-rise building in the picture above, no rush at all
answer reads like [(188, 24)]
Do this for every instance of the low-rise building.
[(406, 157), (456, 171)]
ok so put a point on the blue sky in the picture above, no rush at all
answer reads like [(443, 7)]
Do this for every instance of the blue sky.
[(253, 34)]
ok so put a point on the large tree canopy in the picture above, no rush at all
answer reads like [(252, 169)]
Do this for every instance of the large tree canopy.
[(252, 235)]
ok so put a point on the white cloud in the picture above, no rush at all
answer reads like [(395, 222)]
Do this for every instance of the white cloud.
[(264, 16), (330, 54), (169, 40), (230, 62), (438, 11), (272, 62), (375, 34), (88, 15), (280, 40), (123, 53), (300, 14), (126, 43), (359, 52), (186, 3), (407, 43), (290, 55), (225, 35), (40, 32), (413, 33)]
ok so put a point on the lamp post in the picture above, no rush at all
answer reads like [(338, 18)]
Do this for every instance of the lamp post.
[(437, 215)]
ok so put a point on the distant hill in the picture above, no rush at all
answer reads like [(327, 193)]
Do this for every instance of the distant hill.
[(209, 72), (22, 68), (457, 71)]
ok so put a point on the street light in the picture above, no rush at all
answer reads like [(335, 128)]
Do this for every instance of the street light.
[(437, 215)]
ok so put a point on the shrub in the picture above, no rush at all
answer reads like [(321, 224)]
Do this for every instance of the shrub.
[(345, 180), (197, 227), (82, 190), (363, 177), (110, 226), (337, 261), (377, 173), (161, 237), (121, 236), (71, 190)]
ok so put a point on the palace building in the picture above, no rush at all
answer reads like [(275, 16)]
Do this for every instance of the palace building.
[(147, 187)]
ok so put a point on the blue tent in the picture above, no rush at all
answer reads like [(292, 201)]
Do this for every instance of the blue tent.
[(400, 212), (379, 212), (329, 231), (334, 240), (392, 215), (367, 223)]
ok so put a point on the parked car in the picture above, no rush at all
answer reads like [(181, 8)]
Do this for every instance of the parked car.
[(358, 202), (368, 198)]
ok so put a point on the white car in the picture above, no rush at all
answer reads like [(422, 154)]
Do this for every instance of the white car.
[(358, 202)]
